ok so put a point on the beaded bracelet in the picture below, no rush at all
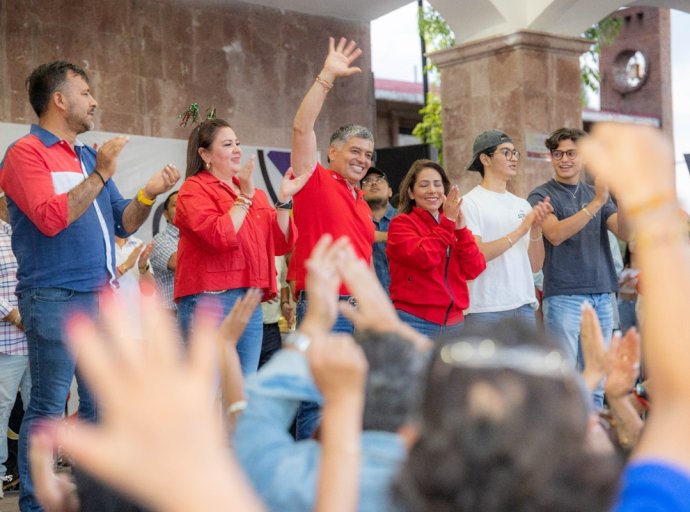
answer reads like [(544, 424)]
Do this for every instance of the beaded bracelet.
[(327, 86)]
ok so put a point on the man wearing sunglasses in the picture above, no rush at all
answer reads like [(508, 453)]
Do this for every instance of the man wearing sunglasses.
[(507, 231), (578, 265)]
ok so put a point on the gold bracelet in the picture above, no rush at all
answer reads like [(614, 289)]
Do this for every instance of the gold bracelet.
[(589, 214), (536, 239), (244, 200), (327, 86), (509, 240), (141, 197)]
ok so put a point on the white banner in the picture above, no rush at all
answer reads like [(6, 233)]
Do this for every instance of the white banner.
[(143, 156)]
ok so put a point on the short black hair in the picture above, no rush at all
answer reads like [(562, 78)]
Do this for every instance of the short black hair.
[(167, 199), (48, 78)]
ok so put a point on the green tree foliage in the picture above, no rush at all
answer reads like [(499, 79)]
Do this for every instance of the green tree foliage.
[(438, 35), (601, 34)]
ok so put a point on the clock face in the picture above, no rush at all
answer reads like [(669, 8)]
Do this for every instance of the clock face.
[(630, 70)]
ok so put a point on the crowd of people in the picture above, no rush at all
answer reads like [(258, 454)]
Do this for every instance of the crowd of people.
[(418, 377)]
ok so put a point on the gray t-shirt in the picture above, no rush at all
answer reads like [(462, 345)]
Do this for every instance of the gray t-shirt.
[(582, 264)]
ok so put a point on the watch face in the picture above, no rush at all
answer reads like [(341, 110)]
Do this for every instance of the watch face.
[(630, 70)]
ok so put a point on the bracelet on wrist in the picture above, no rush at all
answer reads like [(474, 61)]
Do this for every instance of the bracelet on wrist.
[(510, 241), (284, 205), (236, 407), (589, 214), (144, 269), (141, 197), (536, 238), (327, 86), (95, 171)]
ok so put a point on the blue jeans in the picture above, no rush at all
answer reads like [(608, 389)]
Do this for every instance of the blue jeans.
[(427, 328), (44, 313), (525, 313), (14, 372), (562, 314), (249, 345), (309, 413)]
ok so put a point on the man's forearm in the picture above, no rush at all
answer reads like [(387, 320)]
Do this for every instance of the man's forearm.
[(134, 215), (82, 196)]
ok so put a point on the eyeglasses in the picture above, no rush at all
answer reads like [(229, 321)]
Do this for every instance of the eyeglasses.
[(372, 180), (557, 154), (508, 153)]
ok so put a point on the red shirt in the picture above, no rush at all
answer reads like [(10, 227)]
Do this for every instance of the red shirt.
[(326, 204), (430, 264), (211, 256)]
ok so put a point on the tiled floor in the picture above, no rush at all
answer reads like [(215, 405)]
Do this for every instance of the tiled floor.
[(10, 502)]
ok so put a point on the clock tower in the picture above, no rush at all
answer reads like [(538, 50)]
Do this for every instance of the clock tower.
[(636, 68)]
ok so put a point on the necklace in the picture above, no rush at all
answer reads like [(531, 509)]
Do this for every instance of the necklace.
[(577, 187)]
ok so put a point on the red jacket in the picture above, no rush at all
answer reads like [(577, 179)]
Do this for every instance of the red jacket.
[(430, 264), (211, 256)]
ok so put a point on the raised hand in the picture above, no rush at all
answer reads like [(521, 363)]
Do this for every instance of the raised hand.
[(451, 204), (593, 348), (338, 366), (245, 177), (624, 364), (541, 210), (291, 184), (162, 181), (340, 58), (635, 161), (145, 254), (158, 413), (106, 158)]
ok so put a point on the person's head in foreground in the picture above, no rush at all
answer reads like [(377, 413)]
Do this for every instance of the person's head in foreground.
[(503, 427)]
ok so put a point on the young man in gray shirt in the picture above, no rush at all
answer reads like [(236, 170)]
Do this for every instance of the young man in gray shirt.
[(578, 266)]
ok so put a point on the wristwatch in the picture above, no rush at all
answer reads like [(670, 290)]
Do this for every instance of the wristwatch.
[(298, 341)]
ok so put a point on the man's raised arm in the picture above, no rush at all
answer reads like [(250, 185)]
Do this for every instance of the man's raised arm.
[(337, 64)]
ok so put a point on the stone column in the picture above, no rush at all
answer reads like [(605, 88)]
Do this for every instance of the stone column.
[(526, 84)]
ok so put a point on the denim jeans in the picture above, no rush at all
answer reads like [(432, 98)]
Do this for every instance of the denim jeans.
[(309, 413), (562, 314), (14, 372), (427, 328), (44, 313), (525, 313), (249, 345)]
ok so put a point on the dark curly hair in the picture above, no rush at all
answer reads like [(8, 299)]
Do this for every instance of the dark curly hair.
[(561, 134), (498, 439)]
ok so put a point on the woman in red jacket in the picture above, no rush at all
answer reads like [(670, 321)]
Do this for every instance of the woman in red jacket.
[(430, 252), (229, 232)]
